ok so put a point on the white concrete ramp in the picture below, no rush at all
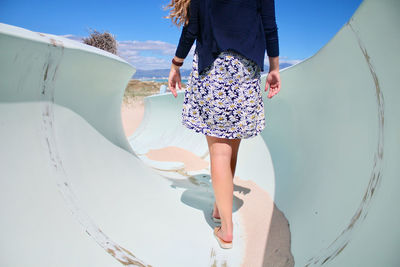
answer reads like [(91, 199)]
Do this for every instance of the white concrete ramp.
[(76, 192)]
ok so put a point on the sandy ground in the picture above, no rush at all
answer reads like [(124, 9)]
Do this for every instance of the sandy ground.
[(132, 114), (267, 229)]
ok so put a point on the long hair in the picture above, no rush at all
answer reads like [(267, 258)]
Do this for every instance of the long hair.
[(179, 13)]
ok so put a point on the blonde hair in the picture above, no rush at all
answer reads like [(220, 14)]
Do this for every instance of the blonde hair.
[(179, 13)]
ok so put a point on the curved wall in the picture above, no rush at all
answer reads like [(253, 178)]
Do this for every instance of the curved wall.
[(328, 156), (80, 77), (334, 139)]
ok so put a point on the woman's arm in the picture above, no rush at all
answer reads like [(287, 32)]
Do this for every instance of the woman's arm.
[(273, 63), (273, 80), (188, 35), (189, 32), (270, 27)]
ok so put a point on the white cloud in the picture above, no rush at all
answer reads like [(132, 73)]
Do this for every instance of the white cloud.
[(146, 55), (290, 61), (282, 60), (153, 54), (163, 47), (73, 37)]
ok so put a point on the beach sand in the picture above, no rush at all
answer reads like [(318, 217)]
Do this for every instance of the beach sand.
[(132, 114), (267, 229)]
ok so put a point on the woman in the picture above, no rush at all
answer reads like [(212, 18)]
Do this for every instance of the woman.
[(223, 98)]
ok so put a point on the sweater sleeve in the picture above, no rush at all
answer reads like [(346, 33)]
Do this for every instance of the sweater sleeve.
[(270, 27), (189, 32)]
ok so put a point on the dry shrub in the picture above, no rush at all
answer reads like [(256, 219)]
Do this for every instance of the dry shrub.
[(105, 41)]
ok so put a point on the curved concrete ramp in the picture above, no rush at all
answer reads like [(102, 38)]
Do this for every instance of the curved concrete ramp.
[(76, 192), (334, 139)]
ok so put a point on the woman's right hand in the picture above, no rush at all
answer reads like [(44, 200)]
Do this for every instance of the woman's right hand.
[(274, 82), (174, 78)]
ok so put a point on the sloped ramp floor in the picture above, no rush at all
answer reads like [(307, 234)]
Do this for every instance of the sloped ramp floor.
[(77, 192)]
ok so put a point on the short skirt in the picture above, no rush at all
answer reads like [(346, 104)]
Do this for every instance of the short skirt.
[(225, 101)]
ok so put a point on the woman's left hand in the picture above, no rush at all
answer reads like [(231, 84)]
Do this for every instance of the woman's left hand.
[(274, 82), (174, 78)]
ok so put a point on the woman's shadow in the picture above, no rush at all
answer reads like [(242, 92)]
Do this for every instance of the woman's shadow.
[(199, 194)]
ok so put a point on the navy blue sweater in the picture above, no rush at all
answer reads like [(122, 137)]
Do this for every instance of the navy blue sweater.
[(246, 26)]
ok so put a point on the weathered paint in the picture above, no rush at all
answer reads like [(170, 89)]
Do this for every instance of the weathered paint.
[(72, 141)]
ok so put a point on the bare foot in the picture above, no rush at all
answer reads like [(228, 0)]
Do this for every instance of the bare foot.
[(216, 212), (224, 236)]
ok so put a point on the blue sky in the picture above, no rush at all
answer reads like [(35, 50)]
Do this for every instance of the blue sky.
[(148, 41)]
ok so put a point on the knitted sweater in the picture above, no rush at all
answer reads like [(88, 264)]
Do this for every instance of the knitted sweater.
[(246, 26)]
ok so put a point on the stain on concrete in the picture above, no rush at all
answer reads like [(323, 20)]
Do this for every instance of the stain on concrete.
[(339, 244), (54, 57)]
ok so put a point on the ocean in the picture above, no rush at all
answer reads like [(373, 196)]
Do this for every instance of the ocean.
[(161, 80)]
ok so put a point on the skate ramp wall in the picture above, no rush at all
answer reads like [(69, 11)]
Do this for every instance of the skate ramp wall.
[(76, 191), (333, 134)]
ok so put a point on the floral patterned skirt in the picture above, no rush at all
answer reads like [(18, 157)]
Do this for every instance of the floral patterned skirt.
[(225, 101)]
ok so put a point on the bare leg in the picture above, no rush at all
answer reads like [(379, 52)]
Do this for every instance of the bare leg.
[(221, 152), (235, 149)]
